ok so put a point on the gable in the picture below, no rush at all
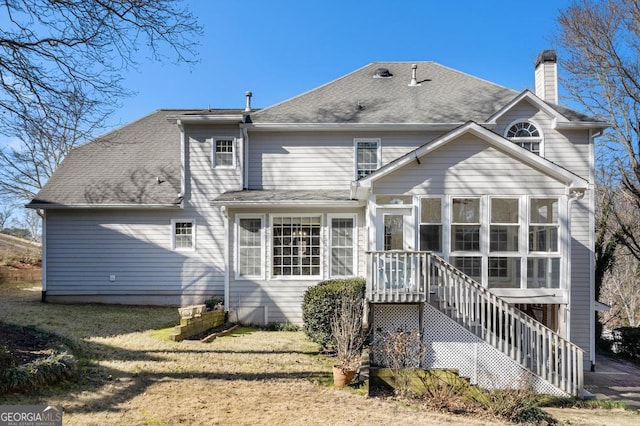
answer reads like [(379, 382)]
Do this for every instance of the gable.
[(469, 165), (473, 132)]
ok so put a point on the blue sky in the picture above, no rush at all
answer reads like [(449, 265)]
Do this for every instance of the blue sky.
[(280, 48)]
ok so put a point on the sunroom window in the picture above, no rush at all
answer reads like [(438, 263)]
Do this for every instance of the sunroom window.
[(526, 135), (504, 255), (431, 224), (543, 264)]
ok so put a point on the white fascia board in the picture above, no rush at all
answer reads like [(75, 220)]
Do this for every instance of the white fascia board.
[(290, 203), (204, 118), (533, 99), (47, 206), (531, 295), (276, 127), (581, 125)]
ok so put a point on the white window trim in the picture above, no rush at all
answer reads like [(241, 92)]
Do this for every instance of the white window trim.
[(378, 141), (263, 242), (233, 152), (517, 140), (193, 235), (523, 237), (323, 245), (353, 216)]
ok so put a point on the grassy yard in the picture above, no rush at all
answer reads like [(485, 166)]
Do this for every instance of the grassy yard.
[(131, 376)]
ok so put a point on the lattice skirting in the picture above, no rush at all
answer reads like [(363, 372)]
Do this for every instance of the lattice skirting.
[(443, 343)]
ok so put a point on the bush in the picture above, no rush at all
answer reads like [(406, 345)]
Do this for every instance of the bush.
[(626, 342), (320, 304)]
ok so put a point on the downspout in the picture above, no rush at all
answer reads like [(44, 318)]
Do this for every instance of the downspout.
[(245, 161), (592, 249), (225, 213), (43, 296), (574, 195), (183, 159)]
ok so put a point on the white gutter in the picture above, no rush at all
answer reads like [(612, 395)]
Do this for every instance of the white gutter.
[(274, 127), (195, 119), (225, 214), (183, 156), (289, 203), (44, 256), (46, 206)]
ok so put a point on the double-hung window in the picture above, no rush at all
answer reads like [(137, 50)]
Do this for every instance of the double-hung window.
[(223, 152), (342, 240), (367, 156), (504, 247), (250, 254), (183, 235), (296, 246), (543, 262)]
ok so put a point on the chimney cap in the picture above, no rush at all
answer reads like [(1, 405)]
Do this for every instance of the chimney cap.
[(547, 56)]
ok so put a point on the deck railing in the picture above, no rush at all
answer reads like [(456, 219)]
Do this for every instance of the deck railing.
[(411, 277)]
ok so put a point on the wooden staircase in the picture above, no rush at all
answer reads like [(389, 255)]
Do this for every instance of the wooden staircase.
[(421, 277)]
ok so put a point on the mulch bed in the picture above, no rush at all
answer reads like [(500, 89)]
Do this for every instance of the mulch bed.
[(24, 344)]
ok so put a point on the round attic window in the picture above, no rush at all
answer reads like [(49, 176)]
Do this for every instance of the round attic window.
[(526, 135), (523, 129)]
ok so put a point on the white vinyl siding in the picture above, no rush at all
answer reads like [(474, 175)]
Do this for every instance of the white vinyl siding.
[(292, 161), (86, 248)]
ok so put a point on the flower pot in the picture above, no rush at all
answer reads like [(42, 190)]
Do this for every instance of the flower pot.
[(342, 376)]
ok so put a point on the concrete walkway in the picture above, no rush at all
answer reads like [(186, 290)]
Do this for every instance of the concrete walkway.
[(615, 379)]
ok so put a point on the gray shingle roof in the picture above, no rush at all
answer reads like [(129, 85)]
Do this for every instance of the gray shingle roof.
[(121, 167), (444, 96)]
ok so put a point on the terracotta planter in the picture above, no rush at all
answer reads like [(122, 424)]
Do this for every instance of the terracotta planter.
[(342, 376)]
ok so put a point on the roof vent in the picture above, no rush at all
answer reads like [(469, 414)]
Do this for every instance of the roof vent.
[(247, 107), (414, 81), (382, 73)]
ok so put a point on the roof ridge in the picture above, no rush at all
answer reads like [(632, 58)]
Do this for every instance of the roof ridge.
[(315, 88)]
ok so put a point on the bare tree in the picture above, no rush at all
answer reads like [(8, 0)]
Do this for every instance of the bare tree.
[(51, 49), (5, 215), (32, 222), (621, 291), (600, 46), (44, 142)]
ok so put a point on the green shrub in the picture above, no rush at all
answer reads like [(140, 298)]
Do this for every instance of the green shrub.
[(57, 367), (320, 304), (6, 360), (626, 341)]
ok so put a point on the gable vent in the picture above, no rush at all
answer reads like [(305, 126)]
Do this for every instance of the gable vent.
[(382, 73)]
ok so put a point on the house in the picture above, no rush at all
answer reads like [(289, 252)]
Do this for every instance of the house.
[(463, 203)]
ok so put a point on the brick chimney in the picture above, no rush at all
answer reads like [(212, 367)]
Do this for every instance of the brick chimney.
[(547, 76)]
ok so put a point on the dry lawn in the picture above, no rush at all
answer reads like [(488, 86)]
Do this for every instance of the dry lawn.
[(135, 377)]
